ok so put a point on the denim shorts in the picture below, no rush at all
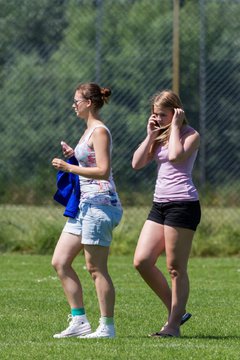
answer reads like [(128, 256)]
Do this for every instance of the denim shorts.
[(94, 223), (184, 214)]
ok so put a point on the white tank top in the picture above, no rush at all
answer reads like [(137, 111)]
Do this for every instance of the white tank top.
[(99, 192)]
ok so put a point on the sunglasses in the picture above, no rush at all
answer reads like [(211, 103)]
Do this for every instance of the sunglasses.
[(77, 101)]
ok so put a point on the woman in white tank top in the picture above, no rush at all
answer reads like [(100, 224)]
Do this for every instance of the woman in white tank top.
[(99, 213)]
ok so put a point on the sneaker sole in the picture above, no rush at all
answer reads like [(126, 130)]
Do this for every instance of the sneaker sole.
[(96, 337), (85, 332)]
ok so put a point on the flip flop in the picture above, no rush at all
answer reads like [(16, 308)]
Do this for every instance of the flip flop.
[(185, 318), (161, 335)]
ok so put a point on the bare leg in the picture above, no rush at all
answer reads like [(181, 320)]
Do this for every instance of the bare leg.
[(67, 248), (150, 245), (96, 261), (178, 243)]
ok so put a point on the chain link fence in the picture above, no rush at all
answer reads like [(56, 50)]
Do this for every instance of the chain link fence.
[(47, 48)]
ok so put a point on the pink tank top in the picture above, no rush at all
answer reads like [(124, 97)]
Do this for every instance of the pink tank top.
[(174, 181)]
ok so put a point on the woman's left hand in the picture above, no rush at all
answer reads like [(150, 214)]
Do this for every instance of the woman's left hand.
[(178, 117), (60, 164)]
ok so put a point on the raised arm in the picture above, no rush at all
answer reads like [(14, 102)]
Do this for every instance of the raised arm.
[(180, 149), (142, 156)]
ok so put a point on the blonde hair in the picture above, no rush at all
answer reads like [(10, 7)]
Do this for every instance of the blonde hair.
[(169, 100)]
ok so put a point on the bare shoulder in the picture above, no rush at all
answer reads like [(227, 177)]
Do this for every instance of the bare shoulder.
[(191, 135), (189, 131), (101, 132)]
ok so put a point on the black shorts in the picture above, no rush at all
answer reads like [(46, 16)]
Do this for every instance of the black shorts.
[(184, 214)]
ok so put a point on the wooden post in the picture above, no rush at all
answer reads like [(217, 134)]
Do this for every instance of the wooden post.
[(175, 84)]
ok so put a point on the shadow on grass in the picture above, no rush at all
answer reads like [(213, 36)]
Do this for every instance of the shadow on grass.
[(185, 337), (212, 337)]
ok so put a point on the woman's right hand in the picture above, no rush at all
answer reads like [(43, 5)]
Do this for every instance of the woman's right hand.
[(153, 127), (142, 156), (67, 150)]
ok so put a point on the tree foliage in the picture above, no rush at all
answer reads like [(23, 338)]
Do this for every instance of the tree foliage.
[(48, 47)]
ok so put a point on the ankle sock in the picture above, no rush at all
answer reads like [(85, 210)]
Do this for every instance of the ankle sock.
[(77, 311), (107, 320)]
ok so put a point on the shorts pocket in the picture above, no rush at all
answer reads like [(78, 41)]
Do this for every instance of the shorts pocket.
[(116, 216)]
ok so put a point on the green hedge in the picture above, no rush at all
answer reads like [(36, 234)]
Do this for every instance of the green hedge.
[(35, 230)]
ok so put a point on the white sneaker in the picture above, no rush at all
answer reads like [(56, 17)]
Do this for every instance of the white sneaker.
[(103, 331), (78, 325)]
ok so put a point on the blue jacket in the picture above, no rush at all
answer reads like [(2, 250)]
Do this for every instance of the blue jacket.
[(68, 190)]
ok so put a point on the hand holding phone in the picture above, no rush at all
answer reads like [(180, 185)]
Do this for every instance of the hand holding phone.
[(153, 126), (67, 150)]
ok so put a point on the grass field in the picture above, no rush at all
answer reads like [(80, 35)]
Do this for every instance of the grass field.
[(33, 308)]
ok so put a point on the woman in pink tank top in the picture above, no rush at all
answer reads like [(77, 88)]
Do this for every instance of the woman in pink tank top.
[(175, 213)]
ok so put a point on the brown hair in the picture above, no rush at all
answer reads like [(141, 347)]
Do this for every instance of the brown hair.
[(169, 100), (92, 91)]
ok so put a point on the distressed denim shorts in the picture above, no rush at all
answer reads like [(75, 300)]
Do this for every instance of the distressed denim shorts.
[(94, 223)]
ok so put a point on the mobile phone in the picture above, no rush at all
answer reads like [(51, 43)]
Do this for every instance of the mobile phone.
[(64, 145)]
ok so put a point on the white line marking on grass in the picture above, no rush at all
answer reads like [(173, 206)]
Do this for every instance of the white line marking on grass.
[(54, 278)]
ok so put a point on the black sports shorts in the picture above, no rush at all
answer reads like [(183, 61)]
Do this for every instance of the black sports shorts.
[(184, 214)]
